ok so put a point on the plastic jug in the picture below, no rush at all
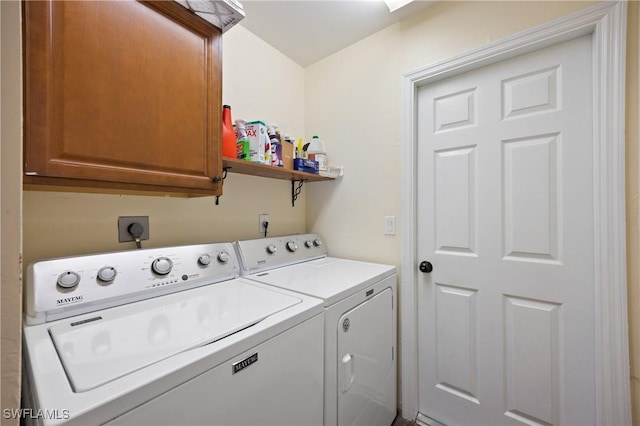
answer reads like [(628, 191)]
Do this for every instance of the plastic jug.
[(317, 152)]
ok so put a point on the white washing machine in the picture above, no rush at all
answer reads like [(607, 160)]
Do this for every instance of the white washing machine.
[(168, 336), (360, 321)]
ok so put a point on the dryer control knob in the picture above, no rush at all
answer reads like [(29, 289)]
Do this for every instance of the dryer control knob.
[(162, 265), (308, 243), (292, 246), (68, 279), (271, 249), (204, 260), (317, 242), (223, 257), (107, 274)]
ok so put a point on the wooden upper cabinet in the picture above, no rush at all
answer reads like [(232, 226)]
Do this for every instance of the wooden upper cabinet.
[(122, 95)]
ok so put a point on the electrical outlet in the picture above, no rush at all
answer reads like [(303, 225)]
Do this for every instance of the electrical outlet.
[(261, 219), (123, 227)]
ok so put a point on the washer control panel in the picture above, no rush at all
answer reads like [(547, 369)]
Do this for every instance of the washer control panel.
[(268, 253), (63, 287)]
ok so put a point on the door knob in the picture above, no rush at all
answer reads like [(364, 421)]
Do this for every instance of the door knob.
[(426, 267)]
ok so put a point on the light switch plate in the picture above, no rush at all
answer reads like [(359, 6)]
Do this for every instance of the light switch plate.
[(389, 225)]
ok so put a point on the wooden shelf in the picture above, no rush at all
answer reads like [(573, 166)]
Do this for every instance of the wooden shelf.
[(254, 169)]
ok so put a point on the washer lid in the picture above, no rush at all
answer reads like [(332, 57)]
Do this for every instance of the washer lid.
[(118, 341), (331, 279)]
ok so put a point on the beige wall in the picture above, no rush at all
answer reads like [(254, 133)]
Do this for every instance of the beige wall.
[(10, 204), (259, 83), (353, 100)]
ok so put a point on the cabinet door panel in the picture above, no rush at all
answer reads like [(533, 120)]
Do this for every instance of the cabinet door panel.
[(124, 92)]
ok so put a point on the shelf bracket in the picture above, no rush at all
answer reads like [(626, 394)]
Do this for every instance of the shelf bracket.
[(225, 170), (296, 189)]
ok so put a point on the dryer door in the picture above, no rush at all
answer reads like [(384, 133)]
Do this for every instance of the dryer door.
[(366, 372)]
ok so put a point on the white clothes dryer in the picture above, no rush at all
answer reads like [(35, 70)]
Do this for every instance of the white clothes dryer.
[(168, 336), (360, 321)]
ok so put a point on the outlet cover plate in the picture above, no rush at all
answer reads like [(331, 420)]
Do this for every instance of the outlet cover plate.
[(261, 219), (123, 225)]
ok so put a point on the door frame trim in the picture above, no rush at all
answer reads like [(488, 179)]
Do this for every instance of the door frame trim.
[(606, 22)]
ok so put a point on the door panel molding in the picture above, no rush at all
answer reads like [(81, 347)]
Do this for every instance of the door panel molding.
[(606, 22)]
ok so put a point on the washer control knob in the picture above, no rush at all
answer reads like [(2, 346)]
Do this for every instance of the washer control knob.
[(204, 260), (68, 279), (107, 274), (223, 257), (308, 243), (317, 242), (162, 265), (271, 249), (292, 246)]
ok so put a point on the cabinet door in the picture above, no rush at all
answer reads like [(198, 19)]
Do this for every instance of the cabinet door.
[(122, 94)]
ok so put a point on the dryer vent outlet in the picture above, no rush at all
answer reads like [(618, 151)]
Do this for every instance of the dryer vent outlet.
[(123, 228)]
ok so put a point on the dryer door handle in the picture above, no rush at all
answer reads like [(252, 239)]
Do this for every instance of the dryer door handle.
[(348, 375)]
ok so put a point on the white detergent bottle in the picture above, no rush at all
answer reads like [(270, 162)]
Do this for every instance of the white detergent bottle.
[(317, 152)]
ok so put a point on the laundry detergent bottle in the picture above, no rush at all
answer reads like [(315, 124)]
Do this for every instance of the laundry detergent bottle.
[(229, 148)]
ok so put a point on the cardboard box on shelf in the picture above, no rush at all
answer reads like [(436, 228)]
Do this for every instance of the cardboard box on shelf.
[(287, 154)]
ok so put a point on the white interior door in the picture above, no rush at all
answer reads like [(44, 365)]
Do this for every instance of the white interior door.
[(505, 216)]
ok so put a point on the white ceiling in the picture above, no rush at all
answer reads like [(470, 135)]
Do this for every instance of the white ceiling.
[(309, 30)]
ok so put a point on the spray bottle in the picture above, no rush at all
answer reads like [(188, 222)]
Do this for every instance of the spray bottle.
[(242, 142), (275, 143)]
